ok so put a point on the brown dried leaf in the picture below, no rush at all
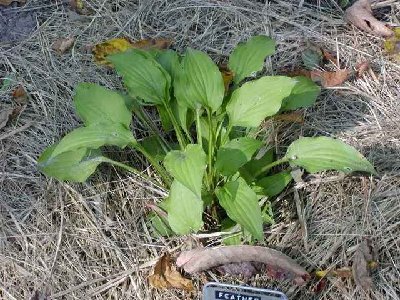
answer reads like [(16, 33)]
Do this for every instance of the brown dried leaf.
[(329, 79), (166, 276), (8, 2), (294, 117), (63, 44), (19, 95), (363, 256), (278, 264), (227, 76), (360, 15), (361, 68), (5, 115), (330, 57)]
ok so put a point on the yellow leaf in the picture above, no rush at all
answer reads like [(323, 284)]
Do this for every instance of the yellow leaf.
[(392, 45), (117, 45), (100, 51)]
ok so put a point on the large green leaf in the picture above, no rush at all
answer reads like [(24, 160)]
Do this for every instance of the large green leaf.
[(95, 104), (241, 205), (323, 153), (187, 166), (95, 136), (248, 58), (159, 225), (143, 76), (76, 165), (254, 101), (169, 60), (236, 153), (199, 82), (274, 184), (185, 209), (304, 94), (153, 147), (255, 166)]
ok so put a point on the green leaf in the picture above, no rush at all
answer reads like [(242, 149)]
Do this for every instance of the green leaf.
[(254, 101), (164, 117), (241, 205), (143, 76), (248, 58), (234, 239), (304, 94), (153, 147), (95, 104), (274, 184), (268, 214), (236, 153), (185, 209), (76, 165), (199, 82), (316, 154), (187, 166), (169, 60), (159, 225), (95, 136), (254, 167)]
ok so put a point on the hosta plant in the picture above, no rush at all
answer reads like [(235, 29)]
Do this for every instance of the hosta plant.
[(209, 156)]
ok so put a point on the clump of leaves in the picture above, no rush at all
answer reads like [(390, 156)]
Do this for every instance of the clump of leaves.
[(218, 163)]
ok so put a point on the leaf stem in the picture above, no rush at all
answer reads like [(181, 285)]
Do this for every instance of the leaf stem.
[(271, 165), (130, 169), (198, 127), (211, 144), (181, 138), (159, 169)]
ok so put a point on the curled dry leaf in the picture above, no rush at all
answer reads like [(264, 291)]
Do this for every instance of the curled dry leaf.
[(63, 44), (361, 68), (19, 95), (278, 264), (360, 15), (365, 254), (100, 51), (330, 79), (166, 276), (227, 76)]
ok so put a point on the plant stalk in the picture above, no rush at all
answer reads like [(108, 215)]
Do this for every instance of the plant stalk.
[(271, 165), (179, 135), (159, 169)]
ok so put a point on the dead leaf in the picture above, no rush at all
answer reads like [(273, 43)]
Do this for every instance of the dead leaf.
[(344, 272), (360, 15), (277, 263), (330, 57), (80, 8), (330, 79), (8, 2), (5, 115), (117, 45), (63, 44), (166, 276), (364, 255), (227, 76), (293, 117), (361, 68), (19, 95)]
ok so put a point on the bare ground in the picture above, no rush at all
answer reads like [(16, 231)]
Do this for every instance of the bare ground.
[(90, 241)]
